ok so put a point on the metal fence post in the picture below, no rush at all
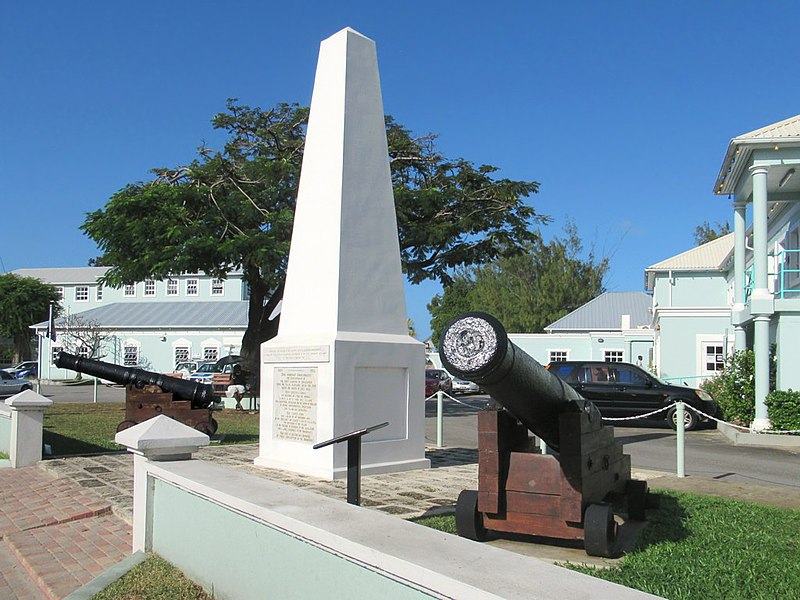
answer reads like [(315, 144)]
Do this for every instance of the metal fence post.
[(680, 411), (439, 419)]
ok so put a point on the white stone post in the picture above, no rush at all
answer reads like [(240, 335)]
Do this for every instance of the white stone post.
[(157, 439), (27, 417)]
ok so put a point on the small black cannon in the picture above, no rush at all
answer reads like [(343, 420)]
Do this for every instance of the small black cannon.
[(565, 495), (150, 394)]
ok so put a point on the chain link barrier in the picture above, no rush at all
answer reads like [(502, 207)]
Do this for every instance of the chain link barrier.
[(446, 395), (655, 412), (644, 416), (701, 413)]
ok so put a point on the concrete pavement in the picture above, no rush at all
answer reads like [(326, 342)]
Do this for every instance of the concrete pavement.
[(67, 520)]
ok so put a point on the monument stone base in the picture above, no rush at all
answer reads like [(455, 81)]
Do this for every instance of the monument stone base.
[(377, 378)]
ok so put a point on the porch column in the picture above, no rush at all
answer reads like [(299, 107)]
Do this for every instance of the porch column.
[(739, 235), (762, 303)]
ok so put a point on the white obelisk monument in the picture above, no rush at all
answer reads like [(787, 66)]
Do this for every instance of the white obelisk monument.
[(343, 359)]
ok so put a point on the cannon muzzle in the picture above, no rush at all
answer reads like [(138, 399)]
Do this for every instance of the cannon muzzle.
[(475, 347), (200, 394)]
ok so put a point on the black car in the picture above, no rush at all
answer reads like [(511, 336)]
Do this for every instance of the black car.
[(623, 390)]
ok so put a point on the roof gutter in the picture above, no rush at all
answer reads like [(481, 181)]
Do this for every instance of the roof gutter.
[(736, 160)]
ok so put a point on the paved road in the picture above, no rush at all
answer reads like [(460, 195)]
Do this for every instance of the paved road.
[(708, 452), (82, 393)]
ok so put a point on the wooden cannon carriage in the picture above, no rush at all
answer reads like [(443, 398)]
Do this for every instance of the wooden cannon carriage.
[(570, 493), (150, 394)]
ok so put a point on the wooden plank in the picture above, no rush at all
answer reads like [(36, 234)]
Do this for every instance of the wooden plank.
[(488, 502), (488, 440), (529, 524), (487, 421), (534, 473), (537, 504), (572, 502), (489, 483)]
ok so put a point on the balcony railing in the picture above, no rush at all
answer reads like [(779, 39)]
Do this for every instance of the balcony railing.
[(786, 277)]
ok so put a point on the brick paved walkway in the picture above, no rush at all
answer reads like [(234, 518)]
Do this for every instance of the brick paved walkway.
[(57, 535)]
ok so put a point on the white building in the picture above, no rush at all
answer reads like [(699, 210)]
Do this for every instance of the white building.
[(151, 324)]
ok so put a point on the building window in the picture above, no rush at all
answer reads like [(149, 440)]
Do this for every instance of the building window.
[(172, 287), (99, 292), (559, 355), (130, 355), (217, 287), (792, 260), (129, 290), (191, 287), (713, 358), (181, 354), (613, 355), (83, 351), (82, 293), (60, 292), (55, 351), (210, 353), (149, 288)]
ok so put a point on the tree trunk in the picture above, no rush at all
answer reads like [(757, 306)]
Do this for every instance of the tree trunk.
[(22, 346), (259, 326)]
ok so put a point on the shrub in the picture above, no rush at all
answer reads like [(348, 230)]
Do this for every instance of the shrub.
[(784, 410), (734, 388)]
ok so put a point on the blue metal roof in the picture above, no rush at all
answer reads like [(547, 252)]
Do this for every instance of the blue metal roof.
[(196, 315), (605, 313)]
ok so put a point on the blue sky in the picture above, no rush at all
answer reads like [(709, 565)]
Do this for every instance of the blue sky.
[(621, 110)]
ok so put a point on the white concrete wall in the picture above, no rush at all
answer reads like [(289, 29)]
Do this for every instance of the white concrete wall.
[(246, 537)]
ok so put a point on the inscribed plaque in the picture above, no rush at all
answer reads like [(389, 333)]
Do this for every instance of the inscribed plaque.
[(295, 404), (295, 354)]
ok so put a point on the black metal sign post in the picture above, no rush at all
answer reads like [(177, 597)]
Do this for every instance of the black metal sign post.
[(353, 440)]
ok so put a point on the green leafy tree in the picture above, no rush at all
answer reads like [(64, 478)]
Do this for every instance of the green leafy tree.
[(707, 232), (453, 301), (528, 291), (23, 302), (233, 209)]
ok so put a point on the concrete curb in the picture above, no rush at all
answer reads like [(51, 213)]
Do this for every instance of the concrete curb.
[(766, 440), (101, 582)]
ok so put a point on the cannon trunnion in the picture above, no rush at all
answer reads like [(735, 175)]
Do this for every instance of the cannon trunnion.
[(568, 494), (149, 394)]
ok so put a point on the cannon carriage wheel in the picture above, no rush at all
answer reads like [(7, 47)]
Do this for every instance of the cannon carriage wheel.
[(599, 531), (208, 427), (126, 424), (469, 522)]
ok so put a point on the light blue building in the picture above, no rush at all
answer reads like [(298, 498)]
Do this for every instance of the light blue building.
[(151, 324), (759, 174), (692, 297)]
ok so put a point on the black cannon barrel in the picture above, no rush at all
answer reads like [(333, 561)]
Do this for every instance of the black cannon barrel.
[(475, 347), (200, 394)]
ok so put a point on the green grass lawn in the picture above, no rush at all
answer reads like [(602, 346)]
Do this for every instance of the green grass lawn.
[(705, 548), (89, 428), (153, 579)]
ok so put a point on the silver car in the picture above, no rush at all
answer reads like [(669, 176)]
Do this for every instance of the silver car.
[(10, 385), (462, 386)]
